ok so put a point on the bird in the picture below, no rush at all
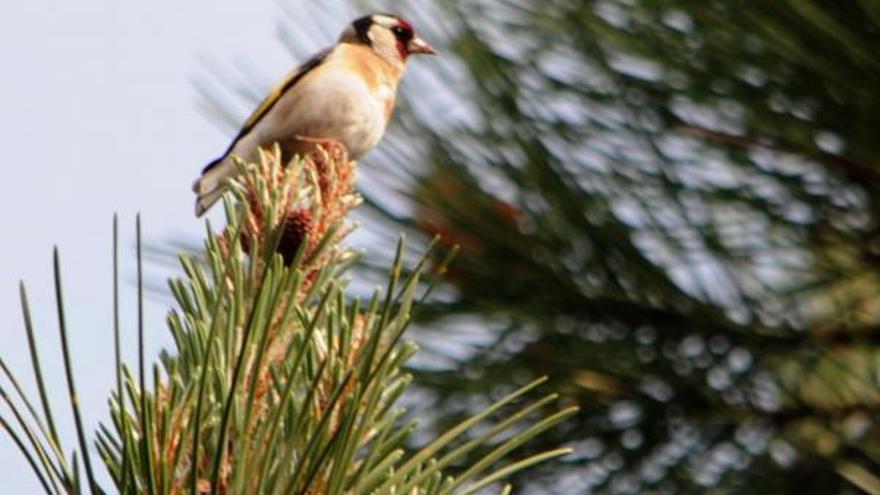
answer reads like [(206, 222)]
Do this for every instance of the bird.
[(345, 93)]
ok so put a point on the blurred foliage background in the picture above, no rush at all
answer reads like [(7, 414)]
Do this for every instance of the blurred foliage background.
[(670, 207)]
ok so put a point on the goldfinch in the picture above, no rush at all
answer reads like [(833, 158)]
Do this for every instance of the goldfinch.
[(345, 93)]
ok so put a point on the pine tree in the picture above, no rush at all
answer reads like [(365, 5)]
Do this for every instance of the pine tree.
[(278, 382), (671, 208)]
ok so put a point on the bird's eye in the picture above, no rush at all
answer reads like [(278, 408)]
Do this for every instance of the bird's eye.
[(399, 32)]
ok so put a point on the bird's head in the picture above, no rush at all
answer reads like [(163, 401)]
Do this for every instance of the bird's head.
[(392, 37)]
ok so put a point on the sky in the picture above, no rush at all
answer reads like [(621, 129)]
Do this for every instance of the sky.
[(99, 116)]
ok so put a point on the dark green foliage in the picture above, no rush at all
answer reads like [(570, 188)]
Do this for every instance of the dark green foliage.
[(671, 208)]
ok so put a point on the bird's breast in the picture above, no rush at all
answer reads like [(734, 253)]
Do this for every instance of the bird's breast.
[(386, 94), (335, 104)]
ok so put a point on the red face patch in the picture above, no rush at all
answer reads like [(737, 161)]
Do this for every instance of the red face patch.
[(404, 33), (405, 25)]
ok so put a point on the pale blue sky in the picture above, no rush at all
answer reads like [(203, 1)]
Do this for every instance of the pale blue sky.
[(99, 116)]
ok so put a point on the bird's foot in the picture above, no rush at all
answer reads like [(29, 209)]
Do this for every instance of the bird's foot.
[(334, 148)]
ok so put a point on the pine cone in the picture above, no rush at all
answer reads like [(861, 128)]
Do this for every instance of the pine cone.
[(297, 226)]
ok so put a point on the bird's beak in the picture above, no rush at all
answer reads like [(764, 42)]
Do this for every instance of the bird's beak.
[(418, 45)]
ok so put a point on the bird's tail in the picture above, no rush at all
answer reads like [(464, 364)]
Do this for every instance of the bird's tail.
[(209, 187)]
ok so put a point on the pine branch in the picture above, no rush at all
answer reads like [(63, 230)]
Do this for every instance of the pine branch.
[(277, 381)]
